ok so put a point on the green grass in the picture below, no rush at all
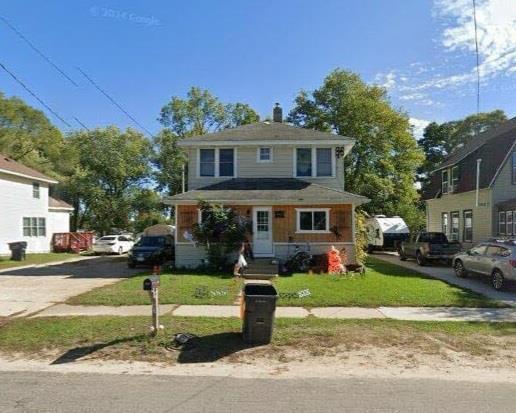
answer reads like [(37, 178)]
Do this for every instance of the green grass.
[(127, 338), (383, 284), (174, 289), (31, 259)]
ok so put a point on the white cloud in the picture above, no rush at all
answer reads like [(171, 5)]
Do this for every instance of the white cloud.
[(386, 80), (418, 126)]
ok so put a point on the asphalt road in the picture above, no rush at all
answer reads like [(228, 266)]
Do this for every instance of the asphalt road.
[(52, 392)]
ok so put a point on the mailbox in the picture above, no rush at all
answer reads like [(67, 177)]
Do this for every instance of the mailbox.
[(147, 284)]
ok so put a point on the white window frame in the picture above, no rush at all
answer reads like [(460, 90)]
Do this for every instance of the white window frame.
[(314, 162), (37, 226), (455, 236), (447, 182), (445, 223), (508, 222), (454, 183), (258, 154), (317, 231), (465, 227), (36, 190), (501, 224), (217, 163)]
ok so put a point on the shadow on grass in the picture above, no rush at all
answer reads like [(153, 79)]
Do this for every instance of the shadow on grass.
[(212, 347), (77, 353)]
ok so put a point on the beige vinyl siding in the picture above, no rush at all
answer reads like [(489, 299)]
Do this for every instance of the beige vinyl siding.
[(502, 190), (482, 216), (247, 166)]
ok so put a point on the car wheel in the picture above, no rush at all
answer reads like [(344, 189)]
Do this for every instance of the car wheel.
[(460, 271), (497, 280), (420, 259), (120, 251)]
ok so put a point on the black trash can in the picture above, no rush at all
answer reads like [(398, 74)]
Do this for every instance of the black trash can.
[(259, 302), (18, 250)]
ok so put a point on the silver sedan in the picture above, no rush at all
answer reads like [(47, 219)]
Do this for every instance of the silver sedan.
[(496, 260)]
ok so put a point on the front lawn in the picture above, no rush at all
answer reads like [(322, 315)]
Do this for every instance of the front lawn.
[(36, 259), (126, 338), (383, 284)]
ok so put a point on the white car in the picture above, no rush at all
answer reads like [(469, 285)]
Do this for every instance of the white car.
[(113, 244)]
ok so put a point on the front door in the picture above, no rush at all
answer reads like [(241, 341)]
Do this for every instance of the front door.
[(262, 232)]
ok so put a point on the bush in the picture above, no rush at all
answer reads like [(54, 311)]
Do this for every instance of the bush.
[(360, 237)]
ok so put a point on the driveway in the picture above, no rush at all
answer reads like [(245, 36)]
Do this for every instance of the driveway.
[(29, 290), (474, 283)]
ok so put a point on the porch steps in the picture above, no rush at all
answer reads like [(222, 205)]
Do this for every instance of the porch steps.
[(261, 269)]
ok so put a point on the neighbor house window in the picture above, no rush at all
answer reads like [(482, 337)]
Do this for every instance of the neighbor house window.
[(514, 167), (508, 222), (455, 226), (444, 223), (468, 226), (35, 190), (207, 162), (514, 222), (314, 162), (217, 162), (501, 222), (226, 162), (444, 181), (264, 154), (454, 178), (313, 220), (34, 227)]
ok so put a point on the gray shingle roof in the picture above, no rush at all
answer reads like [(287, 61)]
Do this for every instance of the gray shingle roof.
[(58, 203), (272, 190), (260, 131), (10, 166)]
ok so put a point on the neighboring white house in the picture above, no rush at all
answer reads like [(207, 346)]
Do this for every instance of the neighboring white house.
[(27, 212)]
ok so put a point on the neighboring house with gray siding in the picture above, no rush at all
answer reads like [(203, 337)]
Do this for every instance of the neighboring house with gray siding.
[(472, 194), (287, 181)]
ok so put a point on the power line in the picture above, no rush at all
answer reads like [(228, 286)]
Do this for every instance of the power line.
[(35, 96), (478, 59), (80, 123), (114, 102), (33, 47)]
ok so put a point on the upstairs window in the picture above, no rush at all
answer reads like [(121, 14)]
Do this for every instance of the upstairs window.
[(264, 154), (217, 162), (226, 162), (314, 162), (444, 181), (454, 178), (207, 162), (35, 190)]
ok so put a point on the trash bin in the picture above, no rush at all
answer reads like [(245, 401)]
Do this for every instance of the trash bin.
[(18, 250), (259, 306)]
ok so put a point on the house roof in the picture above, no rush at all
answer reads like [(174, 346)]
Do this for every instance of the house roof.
[(477, 143), (11, 167), (275, 132), (271, 190), (55, 203)]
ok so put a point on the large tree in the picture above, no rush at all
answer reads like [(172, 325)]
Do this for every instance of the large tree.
[(197, 114), (385, 157), (109, 166), (439, 140), (27, 136)]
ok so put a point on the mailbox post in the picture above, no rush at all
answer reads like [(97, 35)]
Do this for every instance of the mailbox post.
[(152, 286)]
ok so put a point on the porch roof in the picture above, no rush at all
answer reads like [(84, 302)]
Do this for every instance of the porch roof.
[(253, 191)]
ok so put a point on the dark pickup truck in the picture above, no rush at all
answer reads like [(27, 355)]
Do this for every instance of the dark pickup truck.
[(428, 246)]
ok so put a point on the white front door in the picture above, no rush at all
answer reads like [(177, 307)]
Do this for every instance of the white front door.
[(262, 232)]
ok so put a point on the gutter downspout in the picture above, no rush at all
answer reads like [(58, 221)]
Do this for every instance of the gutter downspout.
[(478, 181)]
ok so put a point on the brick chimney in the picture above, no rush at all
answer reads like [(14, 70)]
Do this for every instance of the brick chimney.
[(277, 113)]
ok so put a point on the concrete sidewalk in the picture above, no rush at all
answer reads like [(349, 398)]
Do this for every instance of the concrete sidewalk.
[(395, 313), (447, 274)]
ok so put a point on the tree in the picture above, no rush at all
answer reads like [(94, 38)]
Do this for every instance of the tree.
[(439, 140), (198, 114), (27, 136), (385, 157), (109, 166), (147, 209)]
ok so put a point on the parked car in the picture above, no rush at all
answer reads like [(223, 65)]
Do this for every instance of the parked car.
[(152, 250), (113, 244), (496, 259), (428, 246)]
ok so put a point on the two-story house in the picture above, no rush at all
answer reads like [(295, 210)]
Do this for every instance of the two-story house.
[(27, 212), (472, 194), (288, 181)]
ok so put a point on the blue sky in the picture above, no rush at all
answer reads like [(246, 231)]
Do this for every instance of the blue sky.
[(258, 52)]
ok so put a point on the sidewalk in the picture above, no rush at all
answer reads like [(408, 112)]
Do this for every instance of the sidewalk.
[(447, 274), (395, 313)]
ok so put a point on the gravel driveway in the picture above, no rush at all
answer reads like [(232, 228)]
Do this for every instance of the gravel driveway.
[(29, 290)]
